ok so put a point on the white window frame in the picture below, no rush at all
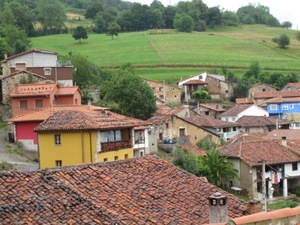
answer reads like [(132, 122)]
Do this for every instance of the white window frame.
[(47, 71), (291, 106), (57, 139), (285, 107), (273, 107)]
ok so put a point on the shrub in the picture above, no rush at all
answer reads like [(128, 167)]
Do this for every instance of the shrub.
[(297, 191)]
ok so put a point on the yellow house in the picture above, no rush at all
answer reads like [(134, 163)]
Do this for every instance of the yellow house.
[(70, 137)]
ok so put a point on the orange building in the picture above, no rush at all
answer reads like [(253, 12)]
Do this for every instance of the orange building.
[(27, 98)]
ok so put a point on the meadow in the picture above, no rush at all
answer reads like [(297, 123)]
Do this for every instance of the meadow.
[(168, 55)]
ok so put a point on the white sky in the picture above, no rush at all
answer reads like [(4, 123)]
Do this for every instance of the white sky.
[(287, 10)]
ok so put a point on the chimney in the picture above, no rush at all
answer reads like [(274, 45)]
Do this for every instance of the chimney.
[(218, 209), (283, 140)]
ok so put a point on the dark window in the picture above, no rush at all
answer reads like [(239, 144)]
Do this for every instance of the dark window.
[(116, 158), (126, 156), (38, 103), (167, 126), (105, 159), (295, 166), (23, 104), (226, 129), (57, 138), (263, 90), (161, 88), (234, 128), (58, 163)]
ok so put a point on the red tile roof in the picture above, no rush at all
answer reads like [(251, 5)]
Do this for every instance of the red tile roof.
[(236, 110), (144, 191), (296, 85), (243, 101), (253, 149), (22, 71), (68, 90), (260, 121), (80, 120), (37, 89), (281, 100), (192, 82), (207, 121), (263, 217), (163, 113), (273, 94), (43, 114), (194, 149), (211, 106)]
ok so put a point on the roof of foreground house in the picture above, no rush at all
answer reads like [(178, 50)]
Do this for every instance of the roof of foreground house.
[(146, 190), (260, 121), (273, 94), (252, 149), (210, 106), (80, 120), (44, 113), (244, 101)]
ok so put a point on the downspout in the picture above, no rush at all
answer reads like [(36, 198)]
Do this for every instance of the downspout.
[(91, 148), (82, 146)]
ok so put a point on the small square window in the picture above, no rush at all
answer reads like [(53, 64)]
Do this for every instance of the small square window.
[(291, 106), (234, 128), (126, 156), (141, 153), (23, 104), (116, 158), (38, 104), (47, 71), (161, 96), (285, 107), (57, 139), (295, 166), (58, 163), (273, 107), (105, 159), (161, 88)]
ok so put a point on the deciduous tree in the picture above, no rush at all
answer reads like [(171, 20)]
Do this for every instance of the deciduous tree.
[(79, 33), (113, 30)]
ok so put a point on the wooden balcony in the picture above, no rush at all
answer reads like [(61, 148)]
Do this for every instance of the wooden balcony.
[(115, 145)]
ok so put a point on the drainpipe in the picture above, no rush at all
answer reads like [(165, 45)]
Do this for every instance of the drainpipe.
[(91, 148), (82, 147)]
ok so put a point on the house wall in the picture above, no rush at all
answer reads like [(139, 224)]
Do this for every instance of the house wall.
[(165, 92), (30, 104), (121, 154), (194, 133), (35, 59), (251, 111), (9, 83), (201, 76), (260, 88), (283, 109), (254, 129), (26, 135), (288, 170), (68, 99)]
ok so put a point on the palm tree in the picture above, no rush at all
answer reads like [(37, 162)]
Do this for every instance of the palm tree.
[(220, 170)]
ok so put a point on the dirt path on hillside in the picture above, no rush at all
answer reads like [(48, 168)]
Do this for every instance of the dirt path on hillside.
[(20, 162)]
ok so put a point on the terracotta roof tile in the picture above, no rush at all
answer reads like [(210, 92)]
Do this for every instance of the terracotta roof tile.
[(211, 106), (243, 101), (273, 94), (43, 114), (80, 120), (236, 110), (253, 149), (281, 100), (194, 149), (36, 89), (192, 82), (254, 121), (296, 85), (22, 71), (71, 90), (207, 121), (140, 191), (164, 112)]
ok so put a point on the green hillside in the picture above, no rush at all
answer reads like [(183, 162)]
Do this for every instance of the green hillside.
[(170, 55)]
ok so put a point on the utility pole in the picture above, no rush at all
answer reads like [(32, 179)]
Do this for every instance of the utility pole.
[(264, 199)]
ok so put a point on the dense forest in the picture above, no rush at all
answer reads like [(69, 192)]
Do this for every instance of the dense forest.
[(22, 19)]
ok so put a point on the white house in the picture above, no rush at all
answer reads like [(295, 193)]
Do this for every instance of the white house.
[(233, 114)]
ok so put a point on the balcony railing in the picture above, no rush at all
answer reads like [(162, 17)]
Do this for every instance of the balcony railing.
[(115, 145)]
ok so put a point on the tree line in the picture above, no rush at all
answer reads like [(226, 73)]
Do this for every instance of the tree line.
[(21, 19)]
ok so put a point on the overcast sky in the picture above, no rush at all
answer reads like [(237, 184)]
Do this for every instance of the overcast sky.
[(287, 10)]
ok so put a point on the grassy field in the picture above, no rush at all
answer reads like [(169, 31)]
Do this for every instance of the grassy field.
[(170, 55)]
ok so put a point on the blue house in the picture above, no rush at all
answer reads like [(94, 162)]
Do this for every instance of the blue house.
[(284, 108)]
